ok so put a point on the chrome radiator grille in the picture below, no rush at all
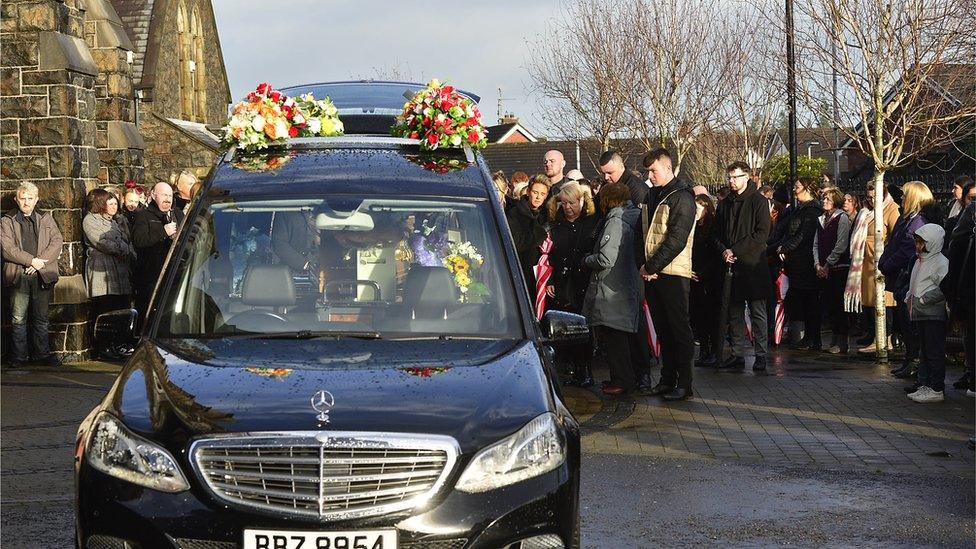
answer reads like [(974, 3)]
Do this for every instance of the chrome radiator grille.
[(327, 476)]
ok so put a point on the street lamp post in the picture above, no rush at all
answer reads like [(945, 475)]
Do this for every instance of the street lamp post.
[(810, 146), (791, 90)]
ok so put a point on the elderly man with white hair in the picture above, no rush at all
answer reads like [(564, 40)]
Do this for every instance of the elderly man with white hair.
[(31, 244), (153, 232)]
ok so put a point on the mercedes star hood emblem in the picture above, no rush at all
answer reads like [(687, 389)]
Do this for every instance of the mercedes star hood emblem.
[(322, 402)]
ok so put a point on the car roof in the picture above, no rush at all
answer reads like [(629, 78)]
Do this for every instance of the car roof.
[(351, 165), (366, 96), (366, 107)]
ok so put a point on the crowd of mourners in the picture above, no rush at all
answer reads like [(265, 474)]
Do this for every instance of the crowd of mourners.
[(127, 234), (650, 260)]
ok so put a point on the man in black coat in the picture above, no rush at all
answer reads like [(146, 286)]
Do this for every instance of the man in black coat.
[(613, 170), (153, 232), (741, 231), (669, 215)]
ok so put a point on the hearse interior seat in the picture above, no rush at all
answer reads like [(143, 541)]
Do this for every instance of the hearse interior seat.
[(269, 287), (429, 292)]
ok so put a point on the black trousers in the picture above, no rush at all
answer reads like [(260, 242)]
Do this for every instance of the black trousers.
[(617, 344), (667, 299), (931, 348), (705, 323), (832, 297), (640, 351), (906, 328), (804, 304)]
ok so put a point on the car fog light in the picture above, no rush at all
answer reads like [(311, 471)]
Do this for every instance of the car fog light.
[(537, 448), (115, 450)]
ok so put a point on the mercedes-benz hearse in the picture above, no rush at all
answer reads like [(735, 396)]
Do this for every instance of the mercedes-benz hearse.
[(340, 354)]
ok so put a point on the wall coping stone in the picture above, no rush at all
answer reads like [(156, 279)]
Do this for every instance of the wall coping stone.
[(124, 135), (61, 51), (111, 35)]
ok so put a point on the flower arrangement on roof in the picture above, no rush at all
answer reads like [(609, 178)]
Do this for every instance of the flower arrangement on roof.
[(440, 117), (268, 117)]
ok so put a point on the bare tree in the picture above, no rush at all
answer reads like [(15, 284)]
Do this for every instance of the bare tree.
[(576, 68), (897, 63), (688, 53)]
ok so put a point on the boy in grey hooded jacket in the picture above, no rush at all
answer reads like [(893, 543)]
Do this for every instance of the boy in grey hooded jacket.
[(927, 311)]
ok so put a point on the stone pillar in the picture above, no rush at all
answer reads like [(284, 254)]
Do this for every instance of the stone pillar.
[(47, 136), (120, 148)]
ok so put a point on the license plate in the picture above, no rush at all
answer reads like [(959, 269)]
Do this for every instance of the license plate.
[(286, 539)]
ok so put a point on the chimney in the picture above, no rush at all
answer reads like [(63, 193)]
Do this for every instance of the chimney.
[(509, 118)]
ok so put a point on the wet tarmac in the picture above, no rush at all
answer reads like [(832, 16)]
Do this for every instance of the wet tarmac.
[(626, 500), (636, 501)]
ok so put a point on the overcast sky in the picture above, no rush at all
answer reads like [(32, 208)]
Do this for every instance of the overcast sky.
[(476, 46)]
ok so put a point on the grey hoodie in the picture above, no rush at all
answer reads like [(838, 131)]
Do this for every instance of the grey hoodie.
[(925, 299)]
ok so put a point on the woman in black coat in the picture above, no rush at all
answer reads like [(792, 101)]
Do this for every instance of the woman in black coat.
[(706, 285), (573, 224), (796, 250), (527, 221)]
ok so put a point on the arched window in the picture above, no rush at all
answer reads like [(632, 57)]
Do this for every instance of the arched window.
[(183, 44), (199, 72)]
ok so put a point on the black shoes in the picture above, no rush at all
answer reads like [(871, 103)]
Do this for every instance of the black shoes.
[(733, 363), (707, 362), (963, 382), (678, 393), (906, 371), (645, 382), (760, 364), (911, 388), (659, 389)]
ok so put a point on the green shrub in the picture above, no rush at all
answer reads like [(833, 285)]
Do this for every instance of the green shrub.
[(777, 170)]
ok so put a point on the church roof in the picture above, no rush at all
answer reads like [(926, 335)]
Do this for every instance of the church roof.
[(136, 16)]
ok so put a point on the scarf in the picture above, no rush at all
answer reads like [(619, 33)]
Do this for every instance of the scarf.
[(859, 236)]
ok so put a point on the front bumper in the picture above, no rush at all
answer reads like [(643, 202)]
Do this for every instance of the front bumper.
[(112, 512)]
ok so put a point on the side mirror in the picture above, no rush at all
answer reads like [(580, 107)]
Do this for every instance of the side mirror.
[(116, 327), (562, 327)]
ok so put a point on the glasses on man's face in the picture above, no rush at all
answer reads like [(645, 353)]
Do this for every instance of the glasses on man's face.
[(733, 177)]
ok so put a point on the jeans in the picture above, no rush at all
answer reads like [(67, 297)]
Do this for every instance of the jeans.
[(27, 296), (931, 348), (667, 298), (737, 326)]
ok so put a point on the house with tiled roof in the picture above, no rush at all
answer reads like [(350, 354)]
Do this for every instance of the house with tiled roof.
[(509, 130)]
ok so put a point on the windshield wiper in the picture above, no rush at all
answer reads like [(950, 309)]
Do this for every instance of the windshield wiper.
[(443, 337), (314, 334)]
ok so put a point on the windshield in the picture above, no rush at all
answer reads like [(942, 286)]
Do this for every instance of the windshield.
[(341, 266)]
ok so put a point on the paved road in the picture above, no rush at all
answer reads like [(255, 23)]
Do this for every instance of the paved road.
[(802, 456)]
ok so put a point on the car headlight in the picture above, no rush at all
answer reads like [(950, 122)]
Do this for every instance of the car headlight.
[(537, 448), (115, 450)]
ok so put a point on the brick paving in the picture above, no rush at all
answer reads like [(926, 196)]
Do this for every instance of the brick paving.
[(806, 410)]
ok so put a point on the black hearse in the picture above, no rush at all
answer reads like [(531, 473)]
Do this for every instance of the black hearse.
[(315, 373)]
